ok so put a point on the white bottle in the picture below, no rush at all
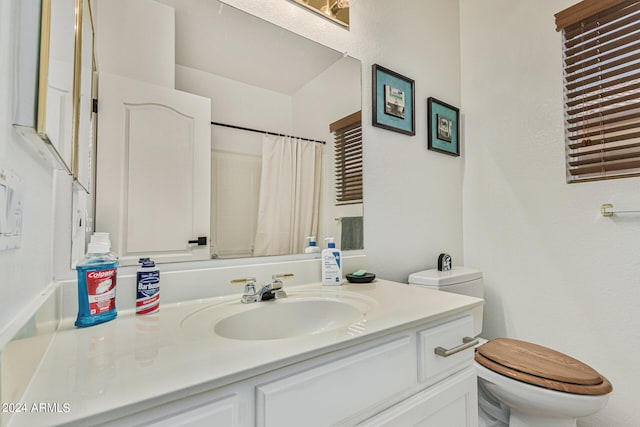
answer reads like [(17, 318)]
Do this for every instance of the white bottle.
[(331, 264), (311, 246)]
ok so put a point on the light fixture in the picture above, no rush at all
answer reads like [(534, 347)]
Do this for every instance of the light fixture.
[(335, 10), (333, 7)]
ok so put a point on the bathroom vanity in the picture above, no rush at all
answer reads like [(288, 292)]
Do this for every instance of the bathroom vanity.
[(345, 355)]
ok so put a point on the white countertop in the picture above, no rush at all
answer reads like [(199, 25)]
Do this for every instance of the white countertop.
[(134, 360)]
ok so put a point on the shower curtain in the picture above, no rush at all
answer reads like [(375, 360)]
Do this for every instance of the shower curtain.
[(289, 202)]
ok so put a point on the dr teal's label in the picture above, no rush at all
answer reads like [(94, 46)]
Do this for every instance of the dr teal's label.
[(148, 295)]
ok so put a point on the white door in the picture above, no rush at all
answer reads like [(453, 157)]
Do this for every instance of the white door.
[(153, 170)]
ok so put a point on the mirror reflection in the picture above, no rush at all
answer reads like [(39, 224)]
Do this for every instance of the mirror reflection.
[(85, 117), (55, 107), (273, 95), (335, 10)]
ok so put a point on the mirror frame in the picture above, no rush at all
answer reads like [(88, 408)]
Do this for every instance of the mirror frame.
[(43, 79), (83, 112)]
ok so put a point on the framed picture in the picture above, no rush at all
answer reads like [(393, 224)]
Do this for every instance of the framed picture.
[(393, 101), (444, 135)]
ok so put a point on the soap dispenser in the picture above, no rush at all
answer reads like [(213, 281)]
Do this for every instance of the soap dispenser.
[(311, 246), (331, 264)]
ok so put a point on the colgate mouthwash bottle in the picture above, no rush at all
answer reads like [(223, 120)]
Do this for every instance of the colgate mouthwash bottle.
[(97, 274)]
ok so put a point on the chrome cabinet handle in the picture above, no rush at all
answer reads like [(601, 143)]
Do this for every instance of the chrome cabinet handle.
[(468, 343)]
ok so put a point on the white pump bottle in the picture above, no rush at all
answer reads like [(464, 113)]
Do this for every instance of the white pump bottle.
[(331, 264)]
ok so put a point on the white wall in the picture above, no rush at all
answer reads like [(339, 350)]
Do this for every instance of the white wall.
[(413, 202), (556, 271), (26, 272), (237, 103), (146, 29)]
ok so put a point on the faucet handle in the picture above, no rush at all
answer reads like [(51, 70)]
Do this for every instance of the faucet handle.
[(243, 281), (282, 276), (249, 285)]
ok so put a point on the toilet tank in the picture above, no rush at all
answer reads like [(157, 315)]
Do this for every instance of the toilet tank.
[(459, 280)]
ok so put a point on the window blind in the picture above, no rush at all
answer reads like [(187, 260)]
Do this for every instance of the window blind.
[(348, 158), (601, 53)]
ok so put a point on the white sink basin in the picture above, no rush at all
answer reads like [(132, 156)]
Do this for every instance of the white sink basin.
[(302, 313)]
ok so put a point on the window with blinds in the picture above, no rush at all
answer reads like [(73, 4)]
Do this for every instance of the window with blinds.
[(348, 158), (601, 52)]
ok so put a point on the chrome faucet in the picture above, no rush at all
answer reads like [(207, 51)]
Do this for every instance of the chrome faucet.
[(269, 291)]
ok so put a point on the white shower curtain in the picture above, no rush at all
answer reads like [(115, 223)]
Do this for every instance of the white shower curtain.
[(288, 210)]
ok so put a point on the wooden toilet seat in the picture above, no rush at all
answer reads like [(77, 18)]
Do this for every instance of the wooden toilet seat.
[(541, 366)]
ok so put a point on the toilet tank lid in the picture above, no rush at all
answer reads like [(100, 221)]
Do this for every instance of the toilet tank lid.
[(433, 277)]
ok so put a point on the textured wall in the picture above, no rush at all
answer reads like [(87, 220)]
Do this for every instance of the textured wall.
[(556, 271)]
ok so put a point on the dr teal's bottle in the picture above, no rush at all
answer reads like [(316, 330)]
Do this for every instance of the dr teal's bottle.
[(97, 274)]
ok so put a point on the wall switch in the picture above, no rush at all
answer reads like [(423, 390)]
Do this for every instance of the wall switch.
[(11, 210)]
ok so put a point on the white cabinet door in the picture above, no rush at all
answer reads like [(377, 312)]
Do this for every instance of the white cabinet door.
[(220, 413), (450, 335), (153, 171), (330, 393), (231, 409), (451, 403)]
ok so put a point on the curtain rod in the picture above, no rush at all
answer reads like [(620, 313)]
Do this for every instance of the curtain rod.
[(264, 131)]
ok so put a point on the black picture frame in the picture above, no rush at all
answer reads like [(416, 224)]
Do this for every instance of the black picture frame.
[(443, 127), (393, 101)]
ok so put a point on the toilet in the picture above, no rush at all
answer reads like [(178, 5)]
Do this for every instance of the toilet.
[(522, 384)]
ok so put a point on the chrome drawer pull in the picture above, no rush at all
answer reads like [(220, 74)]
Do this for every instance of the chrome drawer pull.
[(468, 343)]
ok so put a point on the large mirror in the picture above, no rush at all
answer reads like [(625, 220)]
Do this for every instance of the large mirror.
[(260, 79), (44, 87)]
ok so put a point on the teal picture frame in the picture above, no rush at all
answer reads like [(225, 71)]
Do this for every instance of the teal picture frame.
[(444, 127), (393, 101)]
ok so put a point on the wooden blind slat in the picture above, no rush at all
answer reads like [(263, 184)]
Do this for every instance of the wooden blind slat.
[(585, 30), (604, 42), (351, 120), (626, 56), (601, 123), (602, 104), (604, 113), (595, 88), (601, 141), (601, 48), (602, 131), (621, 71), (599, 150), (583, 11), (600, 157), (605, 167), (607, 57), (348, 158), (601, 94)]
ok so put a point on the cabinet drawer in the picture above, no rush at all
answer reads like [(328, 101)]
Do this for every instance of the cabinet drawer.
[(329, 393), (450, 336)]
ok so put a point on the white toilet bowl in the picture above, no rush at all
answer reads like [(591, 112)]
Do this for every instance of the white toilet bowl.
[(533, 406), (540, 386)]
